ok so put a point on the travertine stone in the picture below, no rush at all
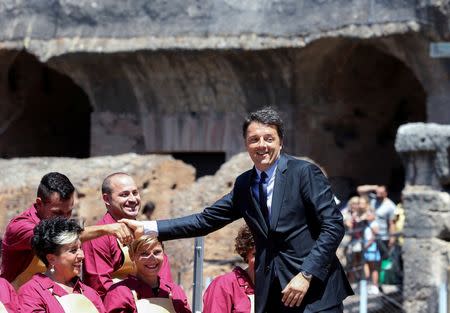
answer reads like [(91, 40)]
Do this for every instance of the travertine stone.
[(424, 149), (51, 28)]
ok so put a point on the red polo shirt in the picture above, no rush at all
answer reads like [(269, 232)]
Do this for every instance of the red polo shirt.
[(16, 245)]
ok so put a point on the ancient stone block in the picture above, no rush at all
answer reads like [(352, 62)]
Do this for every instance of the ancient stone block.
[(424, 150), (425, 269), (428, 212)]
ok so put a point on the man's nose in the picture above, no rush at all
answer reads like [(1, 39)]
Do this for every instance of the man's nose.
[(262, 142)]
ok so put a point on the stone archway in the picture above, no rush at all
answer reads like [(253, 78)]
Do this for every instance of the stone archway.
[(351, 104), (44, 113)]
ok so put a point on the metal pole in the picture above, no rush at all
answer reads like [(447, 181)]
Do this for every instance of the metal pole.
[(198, 275), (443, 298), (363, 283), (443, 293), (363, 296)]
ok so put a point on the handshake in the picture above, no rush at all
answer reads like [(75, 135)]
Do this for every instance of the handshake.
[(126, 230)]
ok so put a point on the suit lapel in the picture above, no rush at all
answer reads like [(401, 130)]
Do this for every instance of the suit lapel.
[(261, 222), (278, 191)]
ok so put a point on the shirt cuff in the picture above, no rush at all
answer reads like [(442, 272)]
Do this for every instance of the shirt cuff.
[(150, 228)]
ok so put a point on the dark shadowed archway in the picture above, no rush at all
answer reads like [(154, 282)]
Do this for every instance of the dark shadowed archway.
[(44, 113), (356, 98)]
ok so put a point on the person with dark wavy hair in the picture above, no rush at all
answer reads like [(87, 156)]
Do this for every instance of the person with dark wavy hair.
[(56, 242), (55, 197), (234, 292)]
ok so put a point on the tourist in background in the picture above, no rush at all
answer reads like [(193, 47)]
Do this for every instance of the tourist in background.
[(148, 210), (371, 252), (385, 213)]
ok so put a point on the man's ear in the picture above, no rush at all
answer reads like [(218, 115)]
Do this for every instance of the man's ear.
[(38, 203), (106, 199)]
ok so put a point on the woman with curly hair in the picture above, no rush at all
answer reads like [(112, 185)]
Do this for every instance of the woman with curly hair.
[(233, 292), (57, 243)]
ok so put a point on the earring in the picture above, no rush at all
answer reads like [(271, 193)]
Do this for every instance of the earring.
[(52, 269)]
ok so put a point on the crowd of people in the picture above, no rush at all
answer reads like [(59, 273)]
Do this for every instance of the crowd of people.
[(374, 227), (294, 227)]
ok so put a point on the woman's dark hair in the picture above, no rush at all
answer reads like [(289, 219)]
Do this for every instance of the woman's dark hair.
[(266, 116), (49, 236), (244, 242)]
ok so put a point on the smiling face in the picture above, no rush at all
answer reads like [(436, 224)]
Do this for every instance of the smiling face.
[(124, 201), (149, 259), (263, 144), (67, 263), (54, 206)]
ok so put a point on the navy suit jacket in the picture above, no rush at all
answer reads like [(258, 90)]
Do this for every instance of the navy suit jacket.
[(304, 232)]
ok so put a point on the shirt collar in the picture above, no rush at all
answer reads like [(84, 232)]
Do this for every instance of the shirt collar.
[(270, 171), (33, 214), (47, 283), (244, 280), (108, 218)]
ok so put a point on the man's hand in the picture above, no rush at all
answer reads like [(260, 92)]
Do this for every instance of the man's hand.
[(365, 189), (121, 231), (137, 227), (295, 291)]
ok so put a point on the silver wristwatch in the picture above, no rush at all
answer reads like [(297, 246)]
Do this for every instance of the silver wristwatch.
[(306, 275)]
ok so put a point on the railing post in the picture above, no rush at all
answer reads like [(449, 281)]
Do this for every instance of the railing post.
[(198, 275)]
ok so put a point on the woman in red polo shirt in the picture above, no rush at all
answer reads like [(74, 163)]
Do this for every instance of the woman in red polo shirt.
[(59, 290), (234, 292), (146, 291)]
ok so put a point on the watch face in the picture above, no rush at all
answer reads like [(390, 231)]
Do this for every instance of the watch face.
[(306, 275)]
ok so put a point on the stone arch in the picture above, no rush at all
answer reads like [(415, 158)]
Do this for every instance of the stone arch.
[(351, 105), (44, 113)]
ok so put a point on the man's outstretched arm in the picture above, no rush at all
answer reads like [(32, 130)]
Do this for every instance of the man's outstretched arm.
[(119, 230), (210, 219)]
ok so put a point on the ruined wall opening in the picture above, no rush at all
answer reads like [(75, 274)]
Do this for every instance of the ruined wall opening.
[(205, 163), (44, 113), (356, 99)]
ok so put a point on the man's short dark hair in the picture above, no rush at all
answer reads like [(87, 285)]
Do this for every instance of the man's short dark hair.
[(149, 207), (106, 185), (266, 116), (55, 182)]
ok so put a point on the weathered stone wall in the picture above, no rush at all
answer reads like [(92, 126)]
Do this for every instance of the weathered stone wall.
[(426, 251), (50, 28)]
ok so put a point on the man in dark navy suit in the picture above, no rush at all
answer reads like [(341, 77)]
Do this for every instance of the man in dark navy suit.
[(289, 206)]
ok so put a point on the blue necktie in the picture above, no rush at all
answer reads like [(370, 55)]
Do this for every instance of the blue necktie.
[(262, 185)]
